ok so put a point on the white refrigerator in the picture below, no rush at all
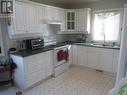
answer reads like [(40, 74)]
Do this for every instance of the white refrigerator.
[(122, 66)]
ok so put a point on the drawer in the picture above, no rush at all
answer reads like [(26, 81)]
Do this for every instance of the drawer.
[(33, 63), (107, 51), (94, 50), (116, 52), (33, 78)]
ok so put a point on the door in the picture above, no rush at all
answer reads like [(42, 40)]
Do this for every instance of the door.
[(82, 55)]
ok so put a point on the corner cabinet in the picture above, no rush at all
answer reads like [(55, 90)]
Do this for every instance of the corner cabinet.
[(71, 20), (83, 20), (78, 21), (55, 15), (32, 69)]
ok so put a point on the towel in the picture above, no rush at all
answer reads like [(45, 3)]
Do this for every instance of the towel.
[(60, 55)]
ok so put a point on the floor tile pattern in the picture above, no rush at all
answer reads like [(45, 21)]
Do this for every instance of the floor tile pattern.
[(76, 81)]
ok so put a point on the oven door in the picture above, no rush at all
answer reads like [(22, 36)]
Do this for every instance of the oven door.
[(61, 56)]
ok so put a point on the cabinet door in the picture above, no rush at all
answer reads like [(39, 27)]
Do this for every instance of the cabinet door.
[(82, 55), (115, 60), (48, 59), (70, 62), (40, 16), (106, 60), (83, 20), (74, 47), (31, 19), (71, 20), (62, 18), (93, 57), (20, 18), (52, 14)]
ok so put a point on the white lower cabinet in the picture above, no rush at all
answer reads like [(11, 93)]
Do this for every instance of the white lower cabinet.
[(82, 56), (32, 69), (96, 58), (93, 57), (115, 60), (48, 60), (106, 60), (70, 55), (74, 55)]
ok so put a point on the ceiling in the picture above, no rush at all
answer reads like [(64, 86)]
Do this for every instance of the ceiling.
[(64, 3), (74, 1)]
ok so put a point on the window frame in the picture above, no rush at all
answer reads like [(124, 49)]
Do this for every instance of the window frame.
[(120, 10)]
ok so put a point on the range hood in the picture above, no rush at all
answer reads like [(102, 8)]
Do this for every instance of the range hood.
[(25, 35), (57, 22)]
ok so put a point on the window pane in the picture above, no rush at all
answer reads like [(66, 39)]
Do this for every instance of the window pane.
[(106, 24)]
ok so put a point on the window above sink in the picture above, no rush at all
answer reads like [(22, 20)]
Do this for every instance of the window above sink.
[(106, 25)]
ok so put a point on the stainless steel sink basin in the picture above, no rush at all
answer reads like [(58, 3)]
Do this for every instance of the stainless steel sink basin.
[(99, 45)]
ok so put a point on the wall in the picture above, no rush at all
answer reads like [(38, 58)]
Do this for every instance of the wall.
[(8, 43)]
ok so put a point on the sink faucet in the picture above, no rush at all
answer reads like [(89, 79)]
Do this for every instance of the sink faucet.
[(104, 40)]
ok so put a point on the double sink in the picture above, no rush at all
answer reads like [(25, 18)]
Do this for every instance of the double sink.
[(99, 45)]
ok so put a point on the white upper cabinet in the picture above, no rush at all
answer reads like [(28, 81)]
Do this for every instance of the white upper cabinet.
[(53, 14), (20, 18), (62, 19), (83, 20), (40, 16), (31, 19), (78, 20), (27, 20), (50, 13), (71, 20)]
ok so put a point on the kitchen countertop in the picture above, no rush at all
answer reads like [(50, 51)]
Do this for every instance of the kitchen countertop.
[(28, 52), (25, 53)]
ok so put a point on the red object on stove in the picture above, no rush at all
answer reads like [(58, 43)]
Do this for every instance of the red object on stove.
[(60, 55)]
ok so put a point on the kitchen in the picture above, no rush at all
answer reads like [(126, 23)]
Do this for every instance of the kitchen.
[(67, 45)]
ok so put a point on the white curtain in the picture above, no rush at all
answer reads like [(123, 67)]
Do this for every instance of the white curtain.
[(123, 51)]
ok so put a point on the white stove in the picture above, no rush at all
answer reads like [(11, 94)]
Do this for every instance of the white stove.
[(61, 58)]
